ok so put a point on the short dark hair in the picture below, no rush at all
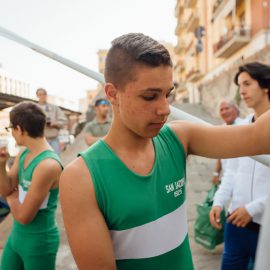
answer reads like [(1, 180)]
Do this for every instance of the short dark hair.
[(257, 71), (131, 49), (101, 101), (41, 90), (30, 117)]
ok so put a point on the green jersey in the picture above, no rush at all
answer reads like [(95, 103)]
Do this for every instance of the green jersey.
[(45, 218), (146, 215)]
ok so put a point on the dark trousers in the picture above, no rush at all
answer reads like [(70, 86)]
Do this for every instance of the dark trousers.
[(239, 247)]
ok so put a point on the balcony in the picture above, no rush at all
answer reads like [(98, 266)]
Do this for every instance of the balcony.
[(181, 87), (190, 48), (192, 22), (179, 9), (181, 46), (194, 75), (231, 42), (190, 3), (180, 27), (182, 66), (221, 5)]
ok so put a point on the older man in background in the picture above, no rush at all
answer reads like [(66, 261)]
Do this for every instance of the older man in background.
[(55, 120)]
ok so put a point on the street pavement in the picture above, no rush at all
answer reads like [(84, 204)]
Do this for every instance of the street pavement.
[(199, 173)]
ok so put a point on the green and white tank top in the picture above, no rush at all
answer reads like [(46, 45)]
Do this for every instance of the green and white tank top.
[(45, 218), (146, 215)]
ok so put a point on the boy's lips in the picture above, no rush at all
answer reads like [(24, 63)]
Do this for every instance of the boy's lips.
[(158, 124)]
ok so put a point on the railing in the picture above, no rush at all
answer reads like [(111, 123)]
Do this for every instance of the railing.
[(241, 32), (179, 8), (175, 113), (181, 46), (193, 73), (189, 46), (179, 27), (217, 4), (190, 3), (192, 21), (14, 87)]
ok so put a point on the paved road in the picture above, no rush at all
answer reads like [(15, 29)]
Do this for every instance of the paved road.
[(199, 172)]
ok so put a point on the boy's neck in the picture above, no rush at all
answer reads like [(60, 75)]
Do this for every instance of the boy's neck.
[(262, 108), (37, 145)]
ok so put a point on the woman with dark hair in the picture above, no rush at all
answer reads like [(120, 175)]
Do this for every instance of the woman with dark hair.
[(247, 186)]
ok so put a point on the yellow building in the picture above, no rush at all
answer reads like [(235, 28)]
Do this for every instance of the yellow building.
[(190, 32), (214, 37)]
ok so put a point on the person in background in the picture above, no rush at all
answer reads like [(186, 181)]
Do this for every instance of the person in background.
[(246, 186), (31, 191), (124, 199), (55, 119), (229, 113), (101, 124)]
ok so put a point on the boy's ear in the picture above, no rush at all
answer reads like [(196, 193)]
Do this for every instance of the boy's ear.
[(111, 93), (20, 129)]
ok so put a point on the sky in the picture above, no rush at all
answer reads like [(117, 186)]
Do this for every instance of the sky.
[(76, 30)]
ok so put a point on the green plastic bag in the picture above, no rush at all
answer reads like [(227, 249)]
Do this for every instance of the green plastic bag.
[(205, 234)]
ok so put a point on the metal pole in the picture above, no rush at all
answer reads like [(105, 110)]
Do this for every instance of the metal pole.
[(175, 113), (86, 71)]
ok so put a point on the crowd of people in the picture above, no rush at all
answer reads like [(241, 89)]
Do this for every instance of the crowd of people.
[(128, 189)]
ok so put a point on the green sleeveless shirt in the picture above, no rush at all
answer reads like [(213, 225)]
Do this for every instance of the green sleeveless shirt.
[(146, 215), (45, 218)]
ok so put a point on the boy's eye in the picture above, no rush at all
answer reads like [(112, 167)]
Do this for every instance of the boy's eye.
[(150, 97)]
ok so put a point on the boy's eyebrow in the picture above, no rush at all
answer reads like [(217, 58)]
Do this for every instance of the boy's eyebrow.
[(156, 89)]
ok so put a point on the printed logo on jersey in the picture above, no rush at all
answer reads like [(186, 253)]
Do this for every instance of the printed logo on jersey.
[(26, 183), (175, 188)]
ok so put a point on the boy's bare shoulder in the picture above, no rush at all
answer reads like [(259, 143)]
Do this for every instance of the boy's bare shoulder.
[(76, 171)]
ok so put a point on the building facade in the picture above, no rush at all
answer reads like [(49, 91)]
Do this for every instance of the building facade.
[(214, 40)]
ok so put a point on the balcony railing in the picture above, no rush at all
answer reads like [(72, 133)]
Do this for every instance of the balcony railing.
[(218, 6), (179, 9), (189, 47), (194, 75), (181, 87), (231, 42), (181, 46), (180, 27), (192, 22), (190, 3)]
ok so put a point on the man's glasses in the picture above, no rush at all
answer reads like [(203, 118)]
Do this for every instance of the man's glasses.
[(8, 129)]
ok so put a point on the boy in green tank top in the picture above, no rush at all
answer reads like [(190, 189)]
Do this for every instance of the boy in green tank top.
[(127, 191), (31, 190)]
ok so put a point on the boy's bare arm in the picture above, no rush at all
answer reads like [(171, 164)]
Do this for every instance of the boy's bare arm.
[(45, 177), (87, 232), (225, 141), (8, 179)]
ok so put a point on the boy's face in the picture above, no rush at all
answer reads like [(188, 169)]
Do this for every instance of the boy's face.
[(250, 91), (141, 105)]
